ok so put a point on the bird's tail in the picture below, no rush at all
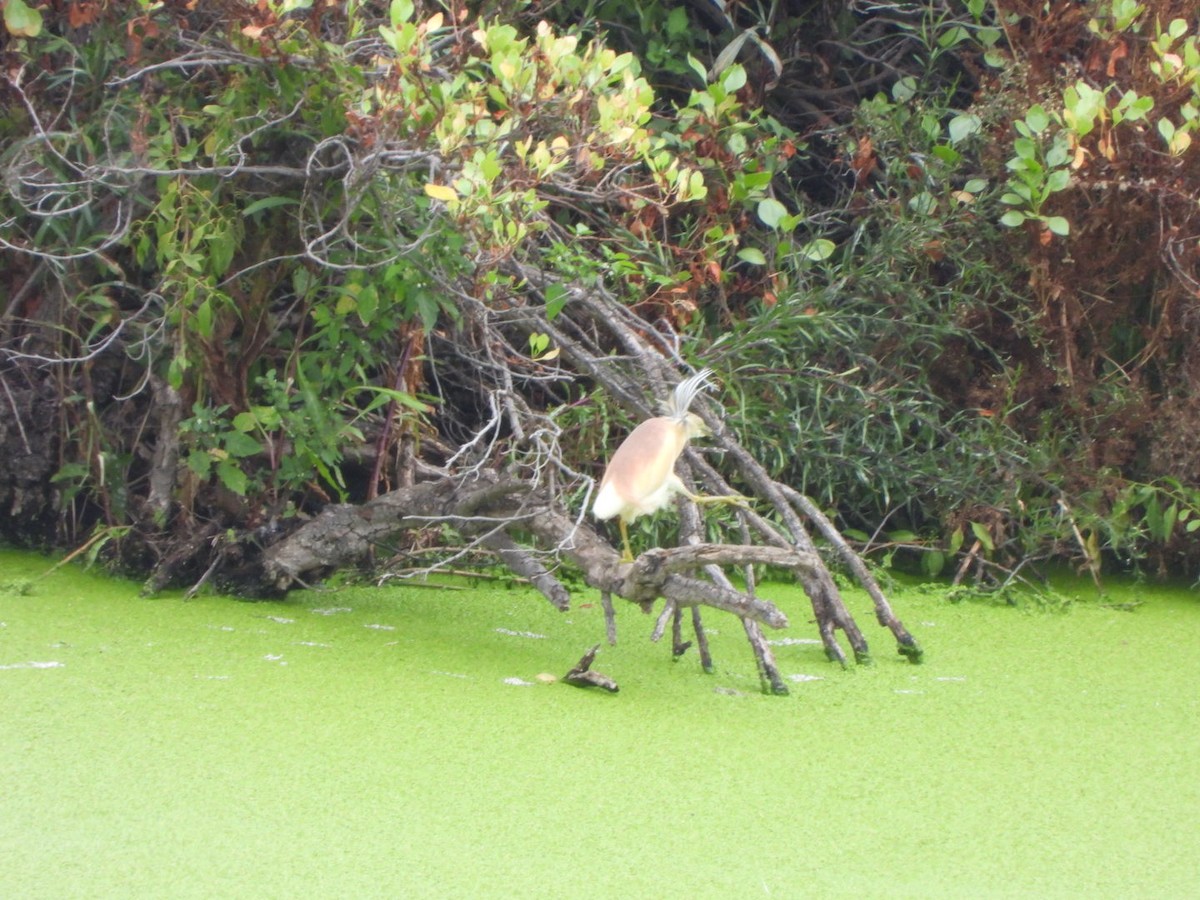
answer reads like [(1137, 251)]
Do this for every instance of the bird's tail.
[(686, 392)]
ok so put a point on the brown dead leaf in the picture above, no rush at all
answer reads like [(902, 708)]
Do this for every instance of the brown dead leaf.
[(83, 13), (137, 31), (1119, 52), (864, 159)]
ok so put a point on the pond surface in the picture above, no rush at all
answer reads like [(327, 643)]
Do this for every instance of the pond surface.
[(397, 742)]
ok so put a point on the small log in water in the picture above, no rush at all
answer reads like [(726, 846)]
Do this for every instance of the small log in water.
[(583, 676)]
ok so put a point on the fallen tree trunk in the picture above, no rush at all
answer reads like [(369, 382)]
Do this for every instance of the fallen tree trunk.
[(344, 534)]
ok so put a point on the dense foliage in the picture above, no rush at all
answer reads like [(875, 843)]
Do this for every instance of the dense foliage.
[(944, 256)]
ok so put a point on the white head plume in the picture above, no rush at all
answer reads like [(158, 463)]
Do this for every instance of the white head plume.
[(685, 393)]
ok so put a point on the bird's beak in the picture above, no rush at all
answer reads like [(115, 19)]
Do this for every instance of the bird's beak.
[(697, 428)]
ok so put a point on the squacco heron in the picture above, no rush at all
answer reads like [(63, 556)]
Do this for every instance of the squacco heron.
[(640, 478)]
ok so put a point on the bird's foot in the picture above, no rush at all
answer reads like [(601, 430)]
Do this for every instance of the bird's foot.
[(739, 500)]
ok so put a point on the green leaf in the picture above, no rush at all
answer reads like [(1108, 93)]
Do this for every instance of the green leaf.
[(427, 308), (818, 250), (347, 301), (1057, 155), (1170, 517), (368, 304), (267, 203), (698, 67), (176, 369), (268, 417), (952, 37), (771, 211), (1058, 225), (1037, 119), (71, 472), (21, 20), (556, 299), (1154, 519), (1012, 218), (1025, 148), (677, 22), (956, 540), (383, 395), (963, 126), (933, 562), (924, 203), (401, 12), (1131, 107), (221, 248), (240, 444), (734, 79), (1024, 191), (200, 462), (265, 417), (232, 477), (904, 89), (983, 536), (1057, 180), (947, 154), (245, 422), (204, 319), (752, 255)]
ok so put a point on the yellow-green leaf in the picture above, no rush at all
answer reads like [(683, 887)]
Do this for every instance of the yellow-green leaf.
[(983, 536), (441, 192), (21, 20)]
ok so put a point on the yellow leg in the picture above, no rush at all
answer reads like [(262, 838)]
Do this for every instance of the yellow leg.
[(627, 556)]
